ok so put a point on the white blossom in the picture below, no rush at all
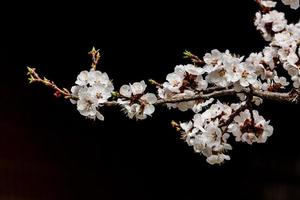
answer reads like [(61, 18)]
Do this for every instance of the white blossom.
[(296, 81), (248, 76), (135, 103), (126, 91), (281, 81), (87, 104), (294, 4), (217, 159), (292, 58), (82, 78), (257, 100), (174, 83), (213, 60), (193, 70), (270, 54), (283, 40), (218, 77), (138, 87)]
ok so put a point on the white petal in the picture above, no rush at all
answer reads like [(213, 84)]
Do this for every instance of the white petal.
[(82, 78), (138, 87), (186, 126), (94, 77), (99, 116), (149, 109), (73, 101), (244, 82), (150, 98), (192, 69), (125, 90), (292, 58), (81, 104), (213, 159)]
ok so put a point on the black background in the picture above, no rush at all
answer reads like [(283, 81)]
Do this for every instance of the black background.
[(49, 151)]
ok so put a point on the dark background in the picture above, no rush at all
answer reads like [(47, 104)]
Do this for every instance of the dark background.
[(49, 151)]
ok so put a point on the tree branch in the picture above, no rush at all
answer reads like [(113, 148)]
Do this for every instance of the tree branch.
[(226, 92), (287, 97)]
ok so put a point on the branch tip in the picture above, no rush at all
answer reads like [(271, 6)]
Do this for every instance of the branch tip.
[(95, 57)]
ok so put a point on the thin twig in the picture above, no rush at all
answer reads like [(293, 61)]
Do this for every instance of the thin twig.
[(195, 59), (34, 77)]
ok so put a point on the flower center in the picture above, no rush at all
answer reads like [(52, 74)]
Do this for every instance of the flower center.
[(249, 127)]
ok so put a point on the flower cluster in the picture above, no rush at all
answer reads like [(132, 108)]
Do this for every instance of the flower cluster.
[(224, 70), (270, 23), (284, 41), (135, 103), (208, 132), (185, 81), (93, 89), (286, 45), (206, 135), (250, 127)]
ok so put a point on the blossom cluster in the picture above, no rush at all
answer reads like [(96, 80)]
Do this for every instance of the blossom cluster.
[(205, 134), (284, 40), (250, 127), (185, 81), (93, 89), (209, 131)]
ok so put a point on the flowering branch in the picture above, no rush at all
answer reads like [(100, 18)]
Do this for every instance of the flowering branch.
[(200, 86)]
